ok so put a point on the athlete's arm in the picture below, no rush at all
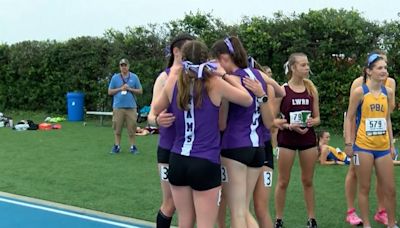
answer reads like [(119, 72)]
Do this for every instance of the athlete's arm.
[(164, 99), (392, 85), (265, 107), (315, 120), (355, 99), (279, 121), (157, 90), (279, 91), (389, 123), (357, 83), (232, 90)]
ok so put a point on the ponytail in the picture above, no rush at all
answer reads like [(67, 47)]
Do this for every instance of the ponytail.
[(189, 84), (310, 87)]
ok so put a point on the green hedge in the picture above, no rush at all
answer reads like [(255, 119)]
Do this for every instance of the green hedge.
[(36, 75)]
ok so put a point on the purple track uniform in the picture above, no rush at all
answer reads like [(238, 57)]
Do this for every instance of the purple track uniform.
[(166, 139), (294, 102), (243, 137), (195, 158)]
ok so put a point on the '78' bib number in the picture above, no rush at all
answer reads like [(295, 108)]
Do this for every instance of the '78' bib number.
[(375, 126)]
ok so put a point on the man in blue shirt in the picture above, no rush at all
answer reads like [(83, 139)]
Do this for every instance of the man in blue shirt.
[(124, 87)]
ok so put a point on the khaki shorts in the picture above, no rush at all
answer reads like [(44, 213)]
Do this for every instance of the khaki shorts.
[(120, 116)]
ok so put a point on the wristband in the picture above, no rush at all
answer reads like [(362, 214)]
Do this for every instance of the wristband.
[(348, 144)]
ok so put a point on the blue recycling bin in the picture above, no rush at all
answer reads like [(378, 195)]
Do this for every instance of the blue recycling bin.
[(75, 104)]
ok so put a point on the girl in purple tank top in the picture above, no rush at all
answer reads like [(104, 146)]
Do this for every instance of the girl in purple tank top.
[(261, 194), (300, 107), (167, 134), (242, 143), (195, 93)]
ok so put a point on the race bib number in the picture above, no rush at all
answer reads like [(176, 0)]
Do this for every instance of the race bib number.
[(299, 117), (268, 179), (375, 126), (224, 174), (356, 159), (295, 117), (164, 172)]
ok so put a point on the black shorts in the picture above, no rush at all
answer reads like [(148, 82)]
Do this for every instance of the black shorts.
[(250, 156), (163, 155), (198, 173), (297, 147), (269, 156)]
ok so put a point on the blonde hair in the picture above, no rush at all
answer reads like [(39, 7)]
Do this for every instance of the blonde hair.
[(310, 87)]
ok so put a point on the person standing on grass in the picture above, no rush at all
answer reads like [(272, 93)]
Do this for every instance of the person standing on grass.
[(167, 134), (368, 132), (261, 194), (242, 141), (195, 93), (300, 107), (351, 177), (124, 86)]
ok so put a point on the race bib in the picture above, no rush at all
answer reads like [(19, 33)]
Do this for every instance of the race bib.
[(224, 174), (164, 172), (267, 179), (375, 126), (299, 117), (356, 159)]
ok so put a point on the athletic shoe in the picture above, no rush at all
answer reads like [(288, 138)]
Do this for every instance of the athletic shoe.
[(353, 218), (115, 149), (133, 149), (381, 217), (312, 223), (278, 223)]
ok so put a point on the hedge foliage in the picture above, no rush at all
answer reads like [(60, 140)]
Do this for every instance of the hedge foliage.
[(36, 75)]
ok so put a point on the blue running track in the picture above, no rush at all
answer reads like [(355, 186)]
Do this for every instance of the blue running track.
[(21, 214)]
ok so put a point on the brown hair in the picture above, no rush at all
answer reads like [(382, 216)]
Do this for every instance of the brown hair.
[(371, 65), (197, 53), (310, 87), (239, 55), (177, 42)]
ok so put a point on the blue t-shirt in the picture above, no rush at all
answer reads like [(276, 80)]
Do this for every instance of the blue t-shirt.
[(128, 100)]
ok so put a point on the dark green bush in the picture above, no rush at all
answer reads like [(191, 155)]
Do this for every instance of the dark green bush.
[(36, 75)]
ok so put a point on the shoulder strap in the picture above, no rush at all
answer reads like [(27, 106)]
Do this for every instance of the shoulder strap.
[(384, 90), (365, 88), (250, 73)]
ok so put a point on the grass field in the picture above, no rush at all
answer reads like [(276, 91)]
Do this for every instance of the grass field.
[(73, 166)]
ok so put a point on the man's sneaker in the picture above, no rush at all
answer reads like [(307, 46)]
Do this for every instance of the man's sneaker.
[(115, 149), (381, 217), (278, 223), (353, 218), (312, 223), (133, 149)]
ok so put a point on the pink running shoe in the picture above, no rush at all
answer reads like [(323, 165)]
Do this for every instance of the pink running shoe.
[(353, 218), (381, 217)]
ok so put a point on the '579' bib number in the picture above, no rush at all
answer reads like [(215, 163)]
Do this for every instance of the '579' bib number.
[(375, 126)]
